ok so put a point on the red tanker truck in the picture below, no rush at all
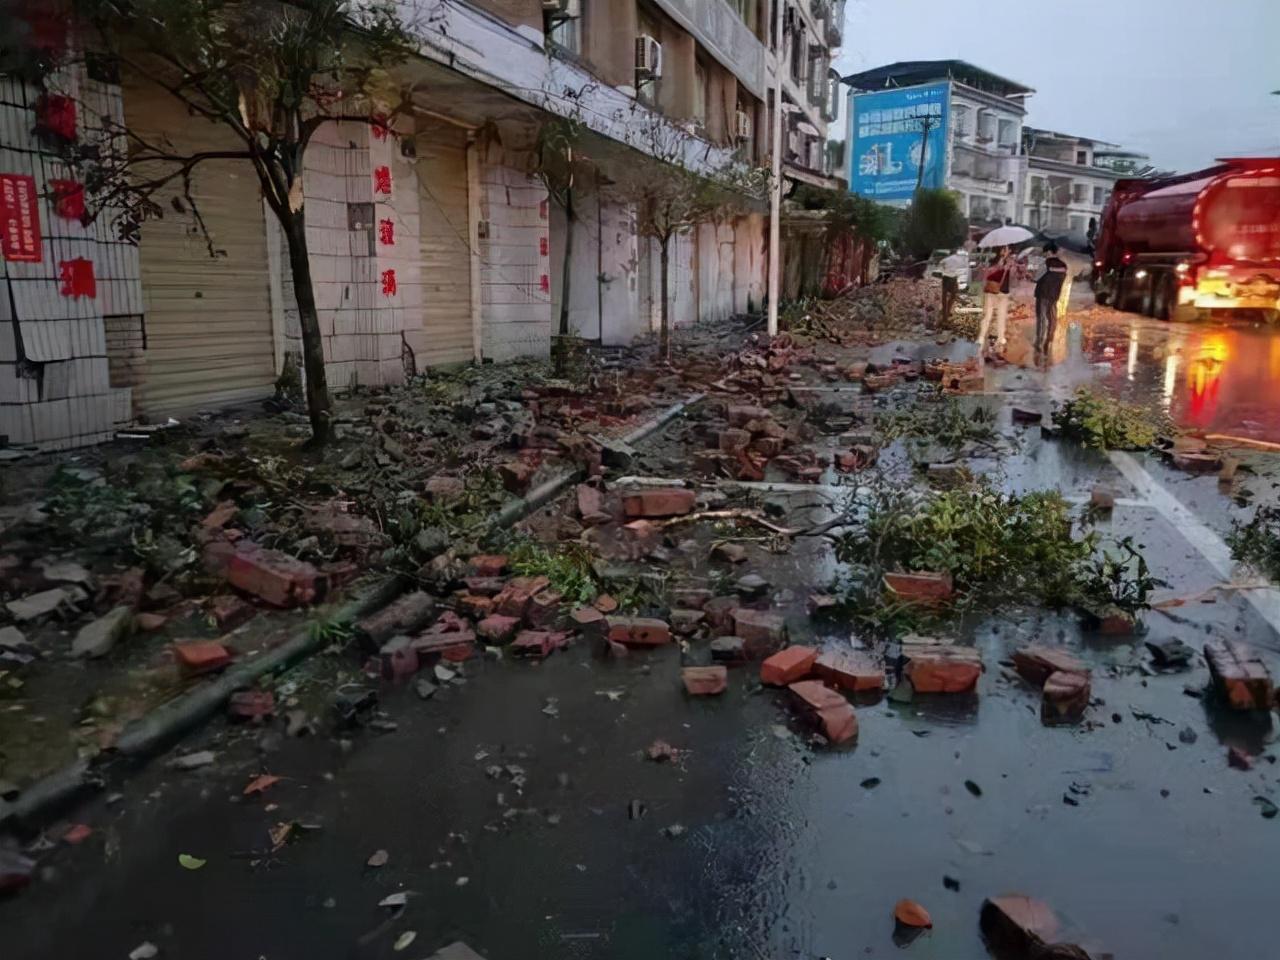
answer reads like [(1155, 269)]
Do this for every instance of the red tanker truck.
[(1178, 247)]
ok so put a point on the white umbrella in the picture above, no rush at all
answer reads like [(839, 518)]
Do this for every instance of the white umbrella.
[(1006, 237)]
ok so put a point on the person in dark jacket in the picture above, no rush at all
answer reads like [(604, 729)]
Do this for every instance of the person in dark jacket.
[(1048, 290)]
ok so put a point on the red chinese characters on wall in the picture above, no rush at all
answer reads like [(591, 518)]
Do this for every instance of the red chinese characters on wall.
[(77, 278), (388, 283), (379, 126), (542, 246), (19, 218), (386, 232), (68, 199), (56, 116), (382, 180)]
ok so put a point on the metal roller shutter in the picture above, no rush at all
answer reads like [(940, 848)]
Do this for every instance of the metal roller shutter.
[(208, 319), (444, 333)]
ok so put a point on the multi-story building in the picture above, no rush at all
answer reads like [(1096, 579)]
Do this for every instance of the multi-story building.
[(1069, 181), (939, 124), (431, 242)]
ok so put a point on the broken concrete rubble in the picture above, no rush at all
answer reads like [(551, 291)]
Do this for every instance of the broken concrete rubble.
[(1017, 925), (97, 638), (763, 631), (403, 615)]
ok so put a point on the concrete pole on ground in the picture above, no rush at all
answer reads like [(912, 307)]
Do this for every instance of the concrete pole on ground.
[(775, 184)]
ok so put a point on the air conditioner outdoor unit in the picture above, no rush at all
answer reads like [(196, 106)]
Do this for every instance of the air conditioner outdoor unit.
[(648, 57), (742, 125)]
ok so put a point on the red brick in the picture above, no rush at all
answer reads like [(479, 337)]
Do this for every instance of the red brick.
[(277, 578), (150, 622), (516, 596), (1065, 698), (851, 670), (642, 536), (485, 586), (441, 487), (403, 615), (833, 713), (459, 652), (733, 440), (1017, 925), (343, 527), (253, 705), (1035, 663), (639, 631), (216, 557), (741, 415), (768, 446), (591, 504), (605, 604), (590, 621), (196, 657), (923, 588), (516, 475), (787, 666), (690, 598), (1239, 675), (664, 502), (489, 564), (857, 370), (498, 629), (941, 668), (230, 611), (761, 630), (751, 467), (474, 605), (535, 643), (720, 611), (705, 681), (543, 610), (220, 515)]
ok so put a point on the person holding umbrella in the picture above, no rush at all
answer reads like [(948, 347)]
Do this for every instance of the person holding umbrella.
[(995, 304)]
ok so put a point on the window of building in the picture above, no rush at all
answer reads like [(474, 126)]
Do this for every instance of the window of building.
[(1079, 193), (565, 33), (701, 94), (1097, 196), (1082, 157), (1077, 224), (746, 10), (1033, 219), (1008, 133), (799, 49), (960, 121)]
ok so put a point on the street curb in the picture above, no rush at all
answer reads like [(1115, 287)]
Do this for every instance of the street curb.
[(164, 725)]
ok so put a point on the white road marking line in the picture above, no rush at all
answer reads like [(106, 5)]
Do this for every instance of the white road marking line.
[(1212, 547)]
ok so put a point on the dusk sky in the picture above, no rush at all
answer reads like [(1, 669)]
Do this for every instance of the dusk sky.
[(1183, 80)]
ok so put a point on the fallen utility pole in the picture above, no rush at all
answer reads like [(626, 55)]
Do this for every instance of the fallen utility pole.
[(775, 186)]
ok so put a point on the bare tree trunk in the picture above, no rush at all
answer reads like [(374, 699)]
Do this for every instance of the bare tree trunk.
[(570, 217), (664, 333), (319, 406)]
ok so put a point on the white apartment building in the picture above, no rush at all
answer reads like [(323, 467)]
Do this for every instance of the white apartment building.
[(1069, 181), (976, 140)]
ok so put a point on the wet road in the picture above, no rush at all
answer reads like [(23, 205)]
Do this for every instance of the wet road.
[(782, 850)]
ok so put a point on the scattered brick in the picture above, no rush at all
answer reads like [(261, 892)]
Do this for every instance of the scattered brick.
[(833, 713), (1065, 698), (733, 440), (516, 596), (77, 834), (1239, 675), (197, 657), (728, 649), (255, 706), (787, 666), (740, 416), (685, 623), (1017, 925), (664, 502), (543, 610), (605, 603), (150, 622), (589, 621), (342, 527), (497, 629), (719, 611), (920, 587), (934, 667), (221, 515), (639, 631), (475, 605), (1102, 498), (731, 552), (275, 577), (485, 586), (705, 681), (229, 611), (404, 615), (1035, 663), (441, 487), (489, 564), (762, 630), (516, 475), (769, 447), (852, 670), (591, 504), (690, 598), (537, 643)]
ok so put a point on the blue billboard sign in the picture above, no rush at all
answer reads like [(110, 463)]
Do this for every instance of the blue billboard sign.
[(893, 133)]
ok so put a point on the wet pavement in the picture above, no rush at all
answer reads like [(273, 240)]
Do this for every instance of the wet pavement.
[(1144, 843)]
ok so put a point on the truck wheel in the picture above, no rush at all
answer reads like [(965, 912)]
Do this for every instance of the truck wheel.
[(1101, 297), (1165, 298)]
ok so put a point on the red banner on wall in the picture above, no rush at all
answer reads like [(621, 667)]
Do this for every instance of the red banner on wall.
[(19, 218)]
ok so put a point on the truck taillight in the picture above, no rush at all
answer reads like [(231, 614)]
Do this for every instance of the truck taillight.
[(1098, 264)]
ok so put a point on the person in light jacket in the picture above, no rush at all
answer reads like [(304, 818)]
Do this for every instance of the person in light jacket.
[(995, 303)]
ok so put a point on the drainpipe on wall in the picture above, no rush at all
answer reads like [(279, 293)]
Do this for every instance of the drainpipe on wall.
[(775, 192)]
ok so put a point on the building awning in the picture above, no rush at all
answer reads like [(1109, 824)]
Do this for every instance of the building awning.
[(808, 129)]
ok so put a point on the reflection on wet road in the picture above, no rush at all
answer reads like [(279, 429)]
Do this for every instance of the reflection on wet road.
[(1212, 377)]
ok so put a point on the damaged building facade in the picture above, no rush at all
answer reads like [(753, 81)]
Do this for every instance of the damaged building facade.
[(433, 241)]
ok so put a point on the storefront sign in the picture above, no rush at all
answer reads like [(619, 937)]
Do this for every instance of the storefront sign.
[(893, 134), (19, 218)]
